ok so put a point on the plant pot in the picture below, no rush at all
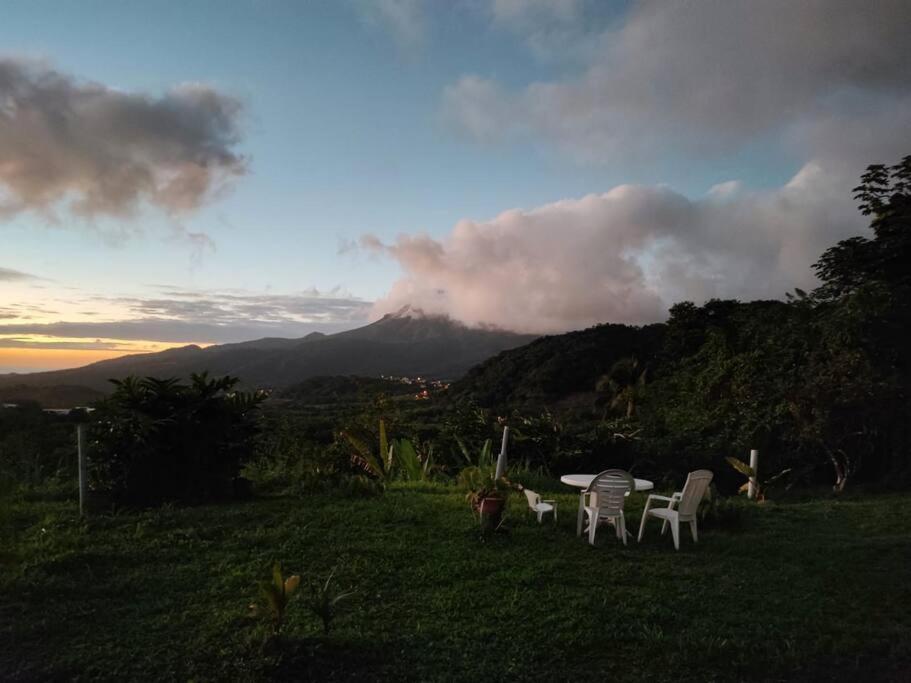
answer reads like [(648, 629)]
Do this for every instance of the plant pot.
[(490, 511)]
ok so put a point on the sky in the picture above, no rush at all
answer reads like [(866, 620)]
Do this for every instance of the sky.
[(206, 172)]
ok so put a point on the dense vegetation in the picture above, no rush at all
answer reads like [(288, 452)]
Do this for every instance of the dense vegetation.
[(36, 448), (155, 441)]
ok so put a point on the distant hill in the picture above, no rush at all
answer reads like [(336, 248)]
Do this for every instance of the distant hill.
[(49, 397), (552, 368), (406, 343)]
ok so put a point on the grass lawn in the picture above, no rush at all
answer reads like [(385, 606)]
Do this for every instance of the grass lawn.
[(806, 590)]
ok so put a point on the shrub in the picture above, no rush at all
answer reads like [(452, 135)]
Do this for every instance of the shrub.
[(157, 440)]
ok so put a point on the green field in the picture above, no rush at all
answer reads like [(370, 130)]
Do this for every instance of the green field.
[(807, 590)]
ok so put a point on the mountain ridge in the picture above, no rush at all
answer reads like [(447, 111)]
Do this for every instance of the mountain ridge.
[(407, 342)]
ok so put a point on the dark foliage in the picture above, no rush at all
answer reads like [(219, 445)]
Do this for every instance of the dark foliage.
[(36, 446), (556, 366), (156, 440), (343, 389)]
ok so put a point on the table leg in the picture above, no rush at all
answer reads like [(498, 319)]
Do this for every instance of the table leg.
[(581, 514)]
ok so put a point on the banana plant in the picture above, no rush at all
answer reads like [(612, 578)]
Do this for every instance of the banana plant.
[(380, 463), (484, 457), (412, 465), (750, 474)]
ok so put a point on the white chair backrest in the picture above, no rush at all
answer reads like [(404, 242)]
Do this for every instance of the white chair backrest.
[(693, 491), (610, 488), (533, 498)]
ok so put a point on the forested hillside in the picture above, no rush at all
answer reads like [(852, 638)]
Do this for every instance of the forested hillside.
[(555, 367)]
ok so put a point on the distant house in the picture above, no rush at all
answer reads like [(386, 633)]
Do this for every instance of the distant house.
[(67, 411)]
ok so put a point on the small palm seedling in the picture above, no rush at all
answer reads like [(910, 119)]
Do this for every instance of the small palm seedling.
[(276, 594), (324, 599)]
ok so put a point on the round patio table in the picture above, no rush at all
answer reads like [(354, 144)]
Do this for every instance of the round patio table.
[(583, 481)]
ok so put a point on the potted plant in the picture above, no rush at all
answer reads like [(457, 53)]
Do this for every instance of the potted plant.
[(487, 495)]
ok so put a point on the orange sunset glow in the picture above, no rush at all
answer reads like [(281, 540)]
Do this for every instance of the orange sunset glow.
[(34, 358)]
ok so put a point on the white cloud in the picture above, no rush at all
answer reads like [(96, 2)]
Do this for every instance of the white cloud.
[(623, 256), (403, 19), (826, 83)]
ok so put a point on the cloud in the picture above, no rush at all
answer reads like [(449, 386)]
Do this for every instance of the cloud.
[(10, 275), (623, 256), (707, 76), (98, 151), (181, 316), (174, 331), (228, 308), (403, 19), (96, 345), (529, 14), (554, 30), (825, 84)]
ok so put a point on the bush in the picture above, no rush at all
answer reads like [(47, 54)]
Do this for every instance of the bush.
[(158, 440)]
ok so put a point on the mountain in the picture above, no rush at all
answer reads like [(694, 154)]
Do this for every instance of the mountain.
[(407, 343)]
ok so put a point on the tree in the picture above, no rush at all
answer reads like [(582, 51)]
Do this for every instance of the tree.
[(622, 384), (864, 305)]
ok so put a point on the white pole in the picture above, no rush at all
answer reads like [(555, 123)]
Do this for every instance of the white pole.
[(83, 483), (501, 459), (754, 465)]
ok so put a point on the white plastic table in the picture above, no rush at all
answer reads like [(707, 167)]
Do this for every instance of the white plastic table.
[(583, 481)]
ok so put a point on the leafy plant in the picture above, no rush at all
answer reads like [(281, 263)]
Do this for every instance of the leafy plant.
[(412, 465), (484, 456), (324, 600), (377, 463), (622, 385), (277, 594), (750, 474)]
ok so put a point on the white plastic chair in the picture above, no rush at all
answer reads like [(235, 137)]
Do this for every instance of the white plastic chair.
[(687, 502), (540, 507), (606, 497)]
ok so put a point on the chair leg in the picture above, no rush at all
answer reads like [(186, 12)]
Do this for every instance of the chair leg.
[(664, 527), (580, 515), (623, 532), (592, 528), (555, 513), (675, 532), (642, 525), (694, 531)]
